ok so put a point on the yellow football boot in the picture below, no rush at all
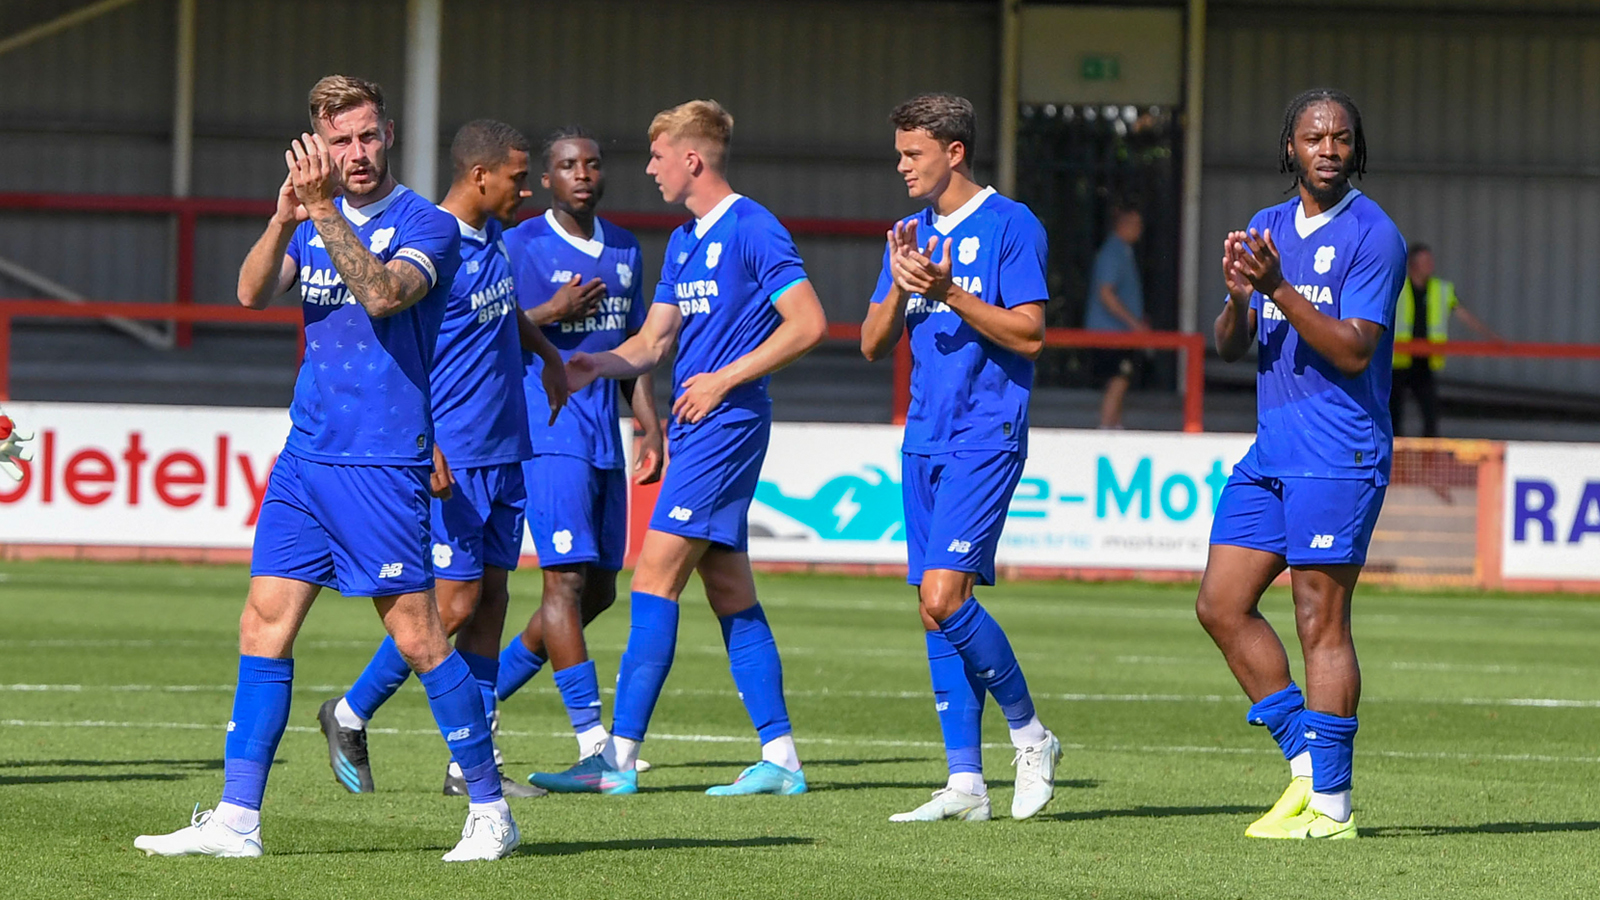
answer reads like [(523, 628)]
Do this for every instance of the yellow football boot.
[(1313, 825), (1291, 804)]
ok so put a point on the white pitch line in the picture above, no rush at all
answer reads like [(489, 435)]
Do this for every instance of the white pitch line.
[(838, 741), (1522, 702)]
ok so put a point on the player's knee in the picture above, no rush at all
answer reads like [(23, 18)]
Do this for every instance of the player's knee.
[(939, 603), (599, 594), (563, 587), (456, 608)]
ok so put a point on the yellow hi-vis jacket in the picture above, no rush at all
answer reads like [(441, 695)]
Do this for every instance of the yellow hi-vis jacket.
[(1440, 301)]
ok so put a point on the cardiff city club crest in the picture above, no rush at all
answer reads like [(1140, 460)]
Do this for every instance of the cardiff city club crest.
[(1324, 260), (381, 239), (625, 275), (713, 254), (967, 250)]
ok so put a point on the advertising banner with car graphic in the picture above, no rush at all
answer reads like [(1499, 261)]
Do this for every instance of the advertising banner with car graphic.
[(1087, 499)]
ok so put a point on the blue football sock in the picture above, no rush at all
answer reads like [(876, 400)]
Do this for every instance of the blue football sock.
[(485, 671), (984, 648), (580, 691), (1332, 741), (379, 680), (1281, 713), (958, 697), (458, 711), (518, 664), (757, 671), (260, 714), (652, 640)]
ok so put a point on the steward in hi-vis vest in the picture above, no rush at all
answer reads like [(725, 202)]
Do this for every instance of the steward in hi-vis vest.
[(1423, 313)]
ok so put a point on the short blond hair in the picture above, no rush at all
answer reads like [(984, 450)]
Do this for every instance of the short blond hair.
[(700, 120), (335, 94)]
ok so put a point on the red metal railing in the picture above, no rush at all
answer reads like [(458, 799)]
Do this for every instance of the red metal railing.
[(187, 211)]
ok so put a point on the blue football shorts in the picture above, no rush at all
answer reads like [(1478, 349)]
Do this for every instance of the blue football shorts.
[(1307, 521), (955, 508), (481, 524), (577, 512), (360, 529), (712, 470)]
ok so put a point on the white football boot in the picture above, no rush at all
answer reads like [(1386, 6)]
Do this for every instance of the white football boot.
[(205, 836), (948, 803), (1036, 776), (486, 836)]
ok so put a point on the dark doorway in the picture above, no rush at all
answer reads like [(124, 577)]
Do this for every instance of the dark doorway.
[(1073, 164)]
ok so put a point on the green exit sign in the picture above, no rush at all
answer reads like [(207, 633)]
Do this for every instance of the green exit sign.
[(1100, 67)]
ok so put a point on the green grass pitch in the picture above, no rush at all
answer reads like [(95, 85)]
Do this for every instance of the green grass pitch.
[(1477, 762)]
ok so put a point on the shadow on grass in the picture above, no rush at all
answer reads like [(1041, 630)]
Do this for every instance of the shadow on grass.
[(808, 762), (185, 768), (1149, 812), (91, 779), (1074, 784), (573, 848), (1414, 831), (109, 763)]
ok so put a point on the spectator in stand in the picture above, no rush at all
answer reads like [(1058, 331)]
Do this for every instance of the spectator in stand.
[(1429, 300), (1116, 303)]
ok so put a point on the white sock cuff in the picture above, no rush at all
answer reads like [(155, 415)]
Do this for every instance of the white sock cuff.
[(1300, 766), (780, 751), (346, 717), (968, 783), (237, 818), (1334, 806), (622, 753), (1029, 735)]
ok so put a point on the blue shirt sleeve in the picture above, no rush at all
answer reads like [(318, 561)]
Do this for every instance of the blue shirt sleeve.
[(636, 305), (885, 280), (1024, 249), (769, 255), (1372, 285), (432, 243)]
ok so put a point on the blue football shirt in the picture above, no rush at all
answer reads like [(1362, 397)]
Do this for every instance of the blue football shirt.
[(967, 392), (479, 414), (362, 395), (544, 256), (1312, 420), (1116, 266), (724, 271)]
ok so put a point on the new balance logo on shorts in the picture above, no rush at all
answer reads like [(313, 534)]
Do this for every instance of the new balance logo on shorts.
[(1321, 541), (680, 514), (959, 547), (460, 734), (391, 570)]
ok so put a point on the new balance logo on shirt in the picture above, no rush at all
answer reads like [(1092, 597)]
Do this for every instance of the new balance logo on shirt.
[(391, 570), (1321, 541), (959, 547), (680, 514)]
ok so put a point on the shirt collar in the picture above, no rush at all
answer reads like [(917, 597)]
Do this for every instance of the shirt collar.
[(365, 214), (480, 235), (947, 224), (1305, 226), (704, 223), (588, 246)]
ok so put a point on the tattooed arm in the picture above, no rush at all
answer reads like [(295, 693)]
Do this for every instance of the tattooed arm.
[(382, 290)]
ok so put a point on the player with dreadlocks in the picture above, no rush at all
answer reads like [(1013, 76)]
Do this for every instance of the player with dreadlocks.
[(1313, 281)]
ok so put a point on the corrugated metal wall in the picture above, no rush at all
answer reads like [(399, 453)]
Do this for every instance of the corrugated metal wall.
[(1484, 125), (810, 84), (1484, 138)]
